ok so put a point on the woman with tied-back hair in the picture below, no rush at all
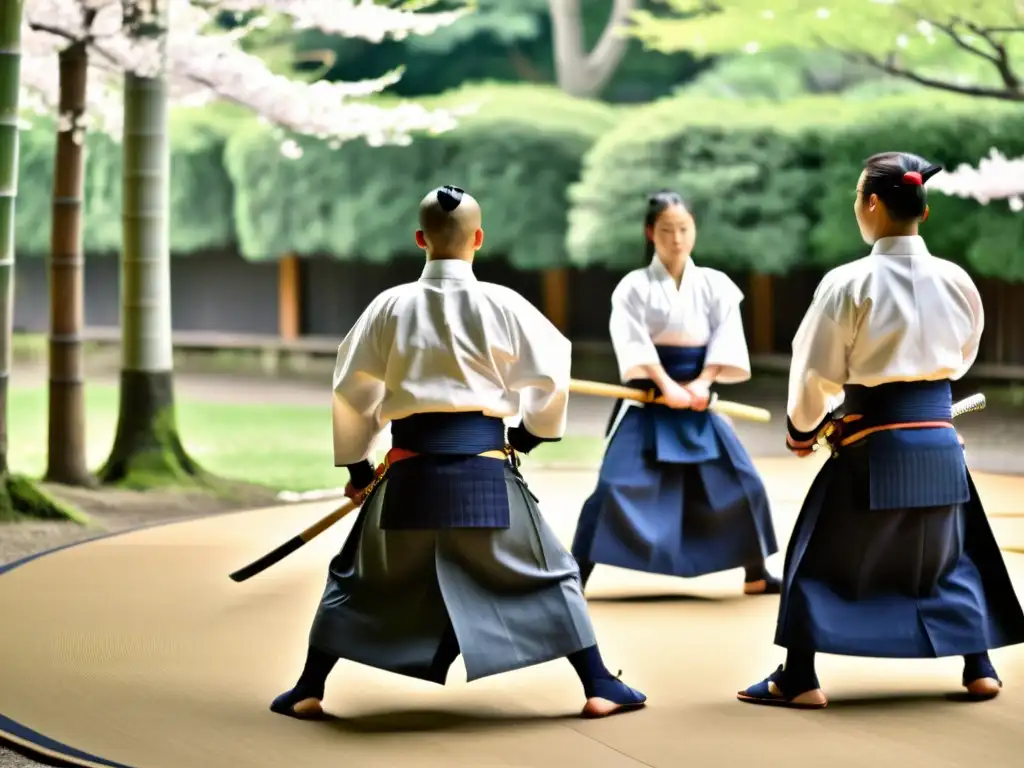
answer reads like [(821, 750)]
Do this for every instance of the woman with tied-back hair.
[(892, 555), (677, 493)]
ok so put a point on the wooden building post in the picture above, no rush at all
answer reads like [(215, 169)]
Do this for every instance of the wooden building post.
[(289, 298), (762, 314), (555, 296)]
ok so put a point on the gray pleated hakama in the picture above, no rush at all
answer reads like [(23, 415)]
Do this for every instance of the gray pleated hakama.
[(512, 595)]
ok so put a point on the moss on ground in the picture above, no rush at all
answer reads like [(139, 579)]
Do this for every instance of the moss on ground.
[(22, 499)]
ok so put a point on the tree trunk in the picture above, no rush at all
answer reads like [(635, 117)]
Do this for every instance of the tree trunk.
[(147, 451), (580, 73), (762, 314), (289, 298), (67, 457), (18, 495), (555, 296)]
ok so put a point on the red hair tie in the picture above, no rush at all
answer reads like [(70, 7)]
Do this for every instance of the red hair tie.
[(913, 177)]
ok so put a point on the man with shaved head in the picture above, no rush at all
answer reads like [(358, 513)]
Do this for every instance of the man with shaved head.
[(450, 224), (450, 554)]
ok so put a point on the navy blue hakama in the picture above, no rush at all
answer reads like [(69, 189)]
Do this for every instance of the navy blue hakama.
[(892, 554), (677, 493)]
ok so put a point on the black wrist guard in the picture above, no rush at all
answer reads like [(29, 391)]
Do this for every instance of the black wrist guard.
[(798, 437), (524, 441), (361, 474)]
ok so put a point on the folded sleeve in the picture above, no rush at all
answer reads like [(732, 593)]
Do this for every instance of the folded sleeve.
[(359, 389), (539, 370), (819, 368), (727, 343), (973, 314), (631, 340)]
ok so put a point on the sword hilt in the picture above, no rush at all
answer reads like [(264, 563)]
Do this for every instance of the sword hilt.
[(969, 405)]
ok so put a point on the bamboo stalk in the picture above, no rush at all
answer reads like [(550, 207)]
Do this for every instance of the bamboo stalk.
[(147, 449), (10, 79), (145, 258), (66, 449)]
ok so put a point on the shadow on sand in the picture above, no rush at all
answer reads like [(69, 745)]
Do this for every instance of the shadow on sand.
[(894, 701), (663, 598), (418, 721)]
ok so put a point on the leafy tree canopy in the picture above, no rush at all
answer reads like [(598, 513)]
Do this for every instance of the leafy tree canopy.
[(917, 40)]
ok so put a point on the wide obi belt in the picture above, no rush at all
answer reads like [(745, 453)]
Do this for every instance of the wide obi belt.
[(915, 457), (677, 436), (446, 470)]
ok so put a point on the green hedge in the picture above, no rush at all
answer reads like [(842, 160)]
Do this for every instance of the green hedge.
[(747, 170), (561, 180), (989, 240), (517, 154), (772, 185), (201, 194)]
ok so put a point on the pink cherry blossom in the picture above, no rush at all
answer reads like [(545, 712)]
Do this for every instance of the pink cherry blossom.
[(205, 63), (995, 178)]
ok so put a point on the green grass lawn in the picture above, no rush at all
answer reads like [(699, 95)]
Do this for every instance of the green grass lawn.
[(286, 447)]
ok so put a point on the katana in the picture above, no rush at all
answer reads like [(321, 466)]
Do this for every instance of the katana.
[(970, 404), (278, 554)]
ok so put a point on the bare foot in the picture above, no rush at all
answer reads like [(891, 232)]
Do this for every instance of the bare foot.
[(984, 688), (307, 709), (768, 693), (598, 707), (758, 587), (815, 698), (768, 586)]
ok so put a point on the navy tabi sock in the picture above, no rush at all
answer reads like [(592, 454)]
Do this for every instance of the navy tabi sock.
[(978, 666), (598, 682), (756, 572), (311, 682), (798, 674), (447, 652), (314, 674), (586, 569)]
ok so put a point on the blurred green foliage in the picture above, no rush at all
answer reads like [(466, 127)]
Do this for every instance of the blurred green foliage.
[(201, 192), (746, 168), (506, 41), (772, 184), (518, 154), (910, 32), (988, 239), (781, 74), (562, 180)]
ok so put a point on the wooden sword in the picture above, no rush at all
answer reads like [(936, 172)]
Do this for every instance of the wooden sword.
[(276, 555), (724, 407)]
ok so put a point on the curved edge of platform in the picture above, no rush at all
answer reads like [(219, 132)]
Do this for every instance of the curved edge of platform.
[(35, 745), (5, 567)]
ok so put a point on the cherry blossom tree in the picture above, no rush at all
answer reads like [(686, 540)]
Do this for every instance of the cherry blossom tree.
[(995, 178), (115, 66)]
